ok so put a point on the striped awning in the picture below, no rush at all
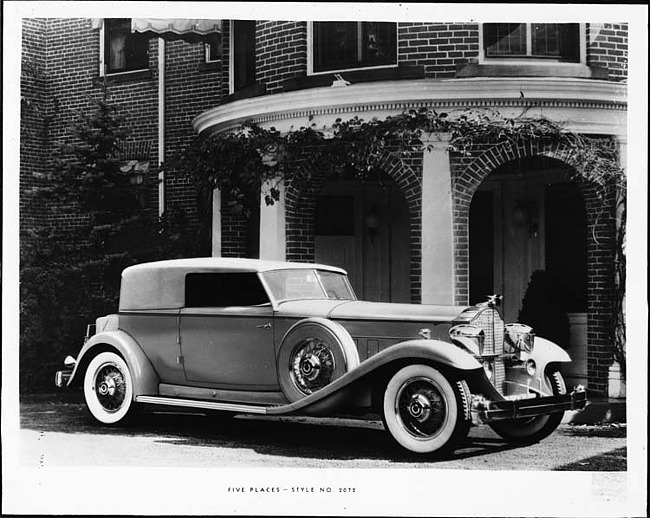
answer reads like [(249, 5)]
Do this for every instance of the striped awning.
[(178, 26), (173, 28)]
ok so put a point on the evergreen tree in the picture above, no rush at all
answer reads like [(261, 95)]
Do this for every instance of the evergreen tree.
[(543, 310), (71, 265)]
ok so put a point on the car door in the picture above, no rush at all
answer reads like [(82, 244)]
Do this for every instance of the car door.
[(226, 332)]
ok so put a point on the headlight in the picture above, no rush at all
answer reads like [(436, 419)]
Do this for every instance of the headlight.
[(519, 338), (470, 337), (531, 367)]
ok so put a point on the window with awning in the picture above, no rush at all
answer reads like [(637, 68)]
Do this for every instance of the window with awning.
[(168, 26), (126, 40)]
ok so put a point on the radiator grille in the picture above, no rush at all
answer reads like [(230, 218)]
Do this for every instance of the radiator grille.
[(490, 322)]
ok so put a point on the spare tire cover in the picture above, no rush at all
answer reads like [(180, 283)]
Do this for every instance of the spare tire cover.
[(313, 353)]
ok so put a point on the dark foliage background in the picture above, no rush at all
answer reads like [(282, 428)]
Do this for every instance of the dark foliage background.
[(70, 274)]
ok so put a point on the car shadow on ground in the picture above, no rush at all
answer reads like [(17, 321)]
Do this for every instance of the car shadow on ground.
[(299, 437), (602, 462)]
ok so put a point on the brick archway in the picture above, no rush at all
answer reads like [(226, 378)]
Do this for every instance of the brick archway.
[(300, 199), (600, 244)]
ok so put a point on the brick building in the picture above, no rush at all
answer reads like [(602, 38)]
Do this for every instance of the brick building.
[(470, 226)]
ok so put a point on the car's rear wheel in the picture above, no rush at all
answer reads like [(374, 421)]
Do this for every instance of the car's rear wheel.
[(108, 388), (313, 354), (533, 429), (424, 411)]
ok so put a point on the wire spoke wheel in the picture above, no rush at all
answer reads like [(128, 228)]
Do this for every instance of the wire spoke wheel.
[(108, 388), (314, 353), (421, 407), (313, 366), (424, 411)]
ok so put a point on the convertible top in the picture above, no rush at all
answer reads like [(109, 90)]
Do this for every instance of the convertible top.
[(161, 284)]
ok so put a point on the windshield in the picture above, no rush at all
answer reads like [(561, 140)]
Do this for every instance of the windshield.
[(302, 284)]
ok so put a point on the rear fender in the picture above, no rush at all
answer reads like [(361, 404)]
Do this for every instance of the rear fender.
[(413, 351), (145, 378)]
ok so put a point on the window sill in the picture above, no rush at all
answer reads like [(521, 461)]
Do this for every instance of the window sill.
[(354, 76), (573, 70), (246, 93), (123, 77)]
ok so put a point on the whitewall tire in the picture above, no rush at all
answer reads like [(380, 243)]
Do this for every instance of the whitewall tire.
[(108, 388), (424, 411)]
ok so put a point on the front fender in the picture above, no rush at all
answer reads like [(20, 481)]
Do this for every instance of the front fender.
[(413, 350), (546, 352), (145, 378)]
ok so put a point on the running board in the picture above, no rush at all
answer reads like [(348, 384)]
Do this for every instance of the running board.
[(205, 405)]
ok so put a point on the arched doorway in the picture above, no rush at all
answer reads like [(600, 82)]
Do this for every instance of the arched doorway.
[(364, 227), (527, 216)]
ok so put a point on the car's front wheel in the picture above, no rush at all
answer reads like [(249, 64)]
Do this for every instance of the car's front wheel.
[(424, 411), (533, 429), (108, 388)]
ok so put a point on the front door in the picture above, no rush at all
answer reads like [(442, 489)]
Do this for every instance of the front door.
[(226, 332), (364, 229), (523, 223)]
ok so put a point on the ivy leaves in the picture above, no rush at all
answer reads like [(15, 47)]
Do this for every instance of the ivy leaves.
[(253, 160)]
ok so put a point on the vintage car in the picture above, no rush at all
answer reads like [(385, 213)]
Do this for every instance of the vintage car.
[(281, 338)]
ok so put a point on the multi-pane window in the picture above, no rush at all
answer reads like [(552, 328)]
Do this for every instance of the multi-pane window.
[(558, 41), (124, 50), (344, 45)]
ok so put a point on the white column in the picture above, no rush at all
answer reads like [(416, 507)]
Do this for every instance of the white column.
[(216, 223), (273, 239), (437, 225)]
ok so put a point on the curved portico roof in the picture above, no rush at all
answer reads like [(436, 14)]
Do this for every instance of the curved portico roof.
[(585, 105)]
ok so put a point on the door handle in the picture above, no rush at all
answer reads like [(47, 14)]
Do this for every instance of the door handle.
[(264, 326)]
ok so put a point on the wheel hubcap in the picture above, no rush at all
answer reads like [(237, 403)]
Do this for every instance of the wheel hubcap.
[(310, 367), (313, 366), (110, 388), (421, 407)]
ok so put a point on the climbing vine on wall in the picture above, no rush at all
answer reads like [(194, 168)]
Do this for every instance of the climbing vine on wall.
[(251, 161)]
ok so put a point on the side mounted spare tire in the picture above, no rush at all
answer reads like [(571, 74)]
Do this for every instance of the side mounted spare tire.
[(314, 353)]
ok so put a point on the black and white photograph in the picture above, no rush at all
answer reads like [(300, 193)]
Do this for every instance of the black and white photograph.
[(298, 258)]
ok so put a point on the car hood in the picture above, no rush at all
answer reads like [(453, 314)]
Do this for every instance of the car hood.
[(361, 310)]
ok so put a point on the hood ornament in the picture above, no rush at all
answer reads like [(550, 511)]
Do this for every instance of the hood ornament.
[(493, 301)]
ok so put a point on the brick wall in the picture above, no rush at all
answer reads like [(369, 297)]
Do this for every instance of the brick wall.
[(191, 87), (33, 117), (61, 73), (607, 47), (440, 48), (282, 52)]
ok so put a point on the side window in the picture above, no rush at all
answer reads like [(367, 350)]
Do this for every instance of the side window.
[(345, 45), (223, 289), (124, 51)]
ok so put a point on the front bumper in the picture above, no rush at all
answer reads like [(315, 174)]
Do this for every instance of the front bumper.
[(486, 411)]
